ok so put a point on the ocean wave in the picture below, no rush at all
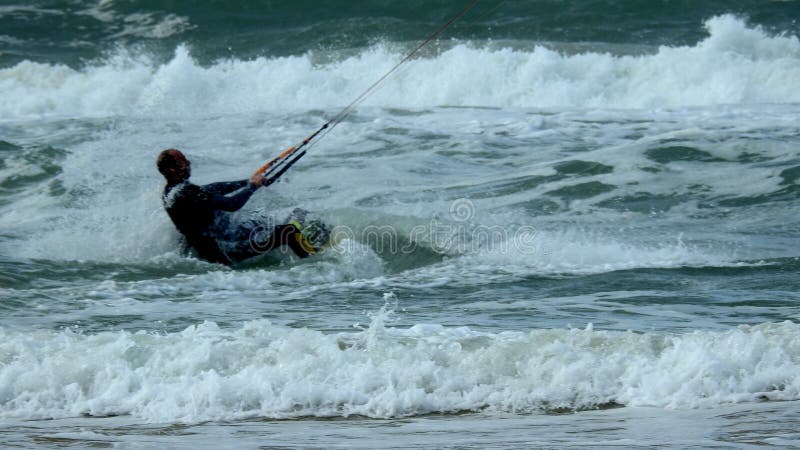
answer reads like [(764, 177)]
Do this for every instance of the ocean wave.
[(735, 64), (265, 370)]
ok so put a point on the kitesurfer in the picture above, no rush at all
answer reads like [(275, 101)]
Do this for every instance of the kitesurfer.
[(203, 215)]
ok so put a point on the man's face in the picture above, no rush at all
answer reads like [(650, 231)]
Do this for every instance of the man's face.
[(182, 168)]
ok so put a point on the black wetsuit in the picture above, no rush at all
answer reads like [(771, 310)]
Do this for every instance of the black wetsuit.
[(202, 215)]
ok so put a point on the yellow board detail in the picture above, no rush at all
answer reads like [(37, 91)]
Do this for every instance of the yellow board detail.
[(302, 239)]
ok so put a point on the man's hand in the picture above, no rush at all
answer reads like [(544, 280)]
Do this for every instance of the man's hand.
[(257, 179)]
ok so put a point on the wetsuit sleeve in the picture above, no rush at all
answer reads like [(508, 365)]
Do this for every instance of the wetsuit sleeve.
[(233, 202), (225, 187)]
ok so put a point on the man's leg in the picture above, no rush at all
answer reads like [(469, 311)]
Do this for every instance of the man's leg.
[(287, 235)]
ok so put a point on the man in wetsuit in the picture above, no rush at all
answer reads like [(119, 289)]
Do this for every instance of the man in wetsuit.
[(202, 215)]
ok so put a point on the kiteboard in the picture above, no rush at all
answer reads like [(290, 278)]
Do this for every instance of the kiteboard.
[(314, 236)]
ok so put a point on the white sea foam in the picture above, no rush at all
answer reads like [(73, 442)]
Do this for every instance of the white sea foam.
[(266, 370), (736, 64)]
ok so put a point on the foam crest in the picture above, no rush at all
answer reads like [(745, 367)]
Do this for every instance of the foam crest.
[(736, 64), (572, 251), (581, 252), (265, 370)]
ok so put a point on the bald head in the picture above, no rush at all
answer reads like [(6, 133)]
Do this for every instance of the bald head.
[(173, 165)]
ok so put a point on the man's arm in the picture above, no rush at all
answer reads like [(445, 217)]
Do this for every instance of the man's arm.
[(225, 187), (237, 200), (233, 202)]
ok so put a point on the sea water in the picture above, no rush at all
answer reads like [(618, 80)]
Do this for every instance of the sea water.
[(563, 224)]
